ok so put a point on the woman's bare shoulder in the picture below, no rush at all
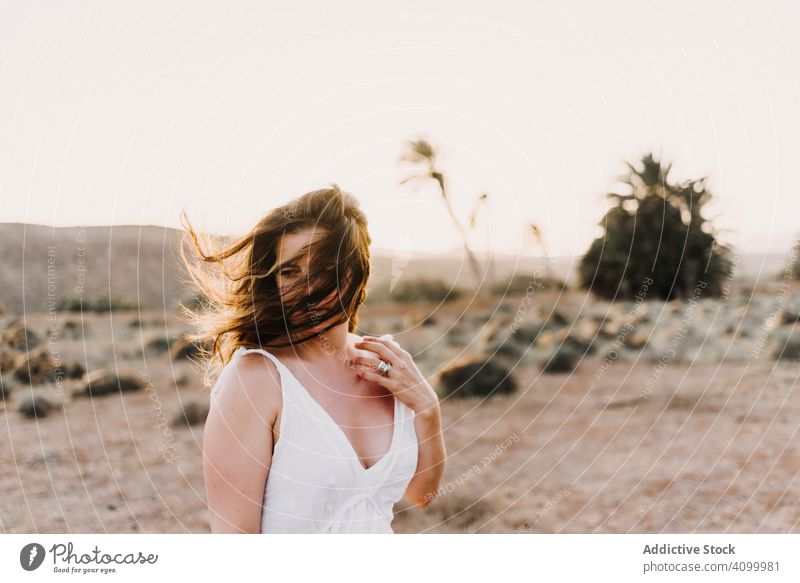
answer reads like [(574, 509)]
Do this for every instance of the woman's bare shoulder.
[(250, 380)]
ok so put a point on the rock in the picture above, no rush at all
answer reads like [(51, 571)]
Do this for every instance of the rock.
[(557, 319), (583, 346), (506, 349), (19, 337), (74, 370), (635, 340), (36, 367), (563, 359), (476, 377), (74, 329), (459, 334), (527, 332), (669, 341), (190, 412), (34, 406), (786, 345), (546, 339), (6, 388), (585, 329), (159, 344), (622, 403), (496, 330), (105, 382), (790, 317), (613, 329), (7, 360), (184, 348), (752, 325), (506, 309)]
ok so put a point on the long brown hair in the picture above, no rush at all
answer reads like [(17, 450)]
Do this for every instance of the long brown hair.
[(240, 303)]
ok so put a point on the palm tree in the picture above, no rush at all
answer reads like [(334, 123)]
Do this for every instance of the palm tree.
[(550, 278), (482, 203), (422, 154)]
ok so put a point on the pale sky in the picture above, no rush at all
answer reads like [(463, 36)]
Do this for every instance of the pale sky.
[(126, 112)]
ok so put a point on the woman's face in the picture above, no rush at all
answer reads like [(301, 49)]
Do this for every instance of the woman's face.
[(288, 275)]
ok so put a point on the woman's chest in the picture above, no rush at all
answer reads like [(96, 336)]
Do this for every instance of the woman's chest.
[(313, 450)]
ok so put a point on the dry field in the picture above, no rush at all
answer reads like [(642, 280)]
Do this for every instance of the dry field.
[(616, 445)]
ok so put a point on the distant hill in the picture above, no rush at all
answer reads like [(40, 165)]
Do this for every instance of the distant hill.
[(42, 266)]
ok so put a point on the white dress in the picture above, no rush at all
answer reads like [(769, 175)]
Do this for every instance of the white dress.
[(316, 482)]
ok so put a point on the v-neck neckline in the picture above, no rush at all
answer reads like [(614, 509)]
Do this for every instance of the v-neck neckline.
[(337, 428)]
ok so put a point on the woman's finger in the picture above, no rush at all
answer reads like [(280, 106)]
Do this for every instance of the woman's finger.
[(366, 362), (381, 349), (386, 382), (394, 345)]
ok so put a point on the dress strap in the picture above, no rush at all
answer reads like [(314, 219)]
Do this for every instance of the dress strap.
[(243, 350), (296, 397), (285, 374), (278, 364)]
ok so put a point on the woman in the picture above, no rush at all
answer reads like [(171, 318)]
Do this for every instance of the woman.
[(312, 428)]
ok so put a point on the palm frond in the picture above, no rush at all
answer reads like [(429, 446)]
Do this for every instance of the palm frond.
[(419, 151)]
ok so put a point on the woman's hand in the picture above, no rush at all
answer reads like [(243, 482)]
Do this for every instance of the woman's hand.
[(408, 385), (404, 380)]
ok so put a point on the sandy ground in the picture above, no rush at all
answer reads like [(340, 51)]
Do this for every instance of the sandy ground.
[(722, 455), (711, 448)]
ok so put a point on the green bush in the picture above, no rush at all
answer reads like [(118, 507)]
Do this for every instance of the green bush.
[(419, 289), (100, 304), (656, 240), (476, 377), (794, 260), (521, 283)]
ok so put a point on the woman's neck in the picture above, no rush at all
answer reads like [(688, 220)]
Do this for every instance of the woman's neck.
[(330, 345)]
